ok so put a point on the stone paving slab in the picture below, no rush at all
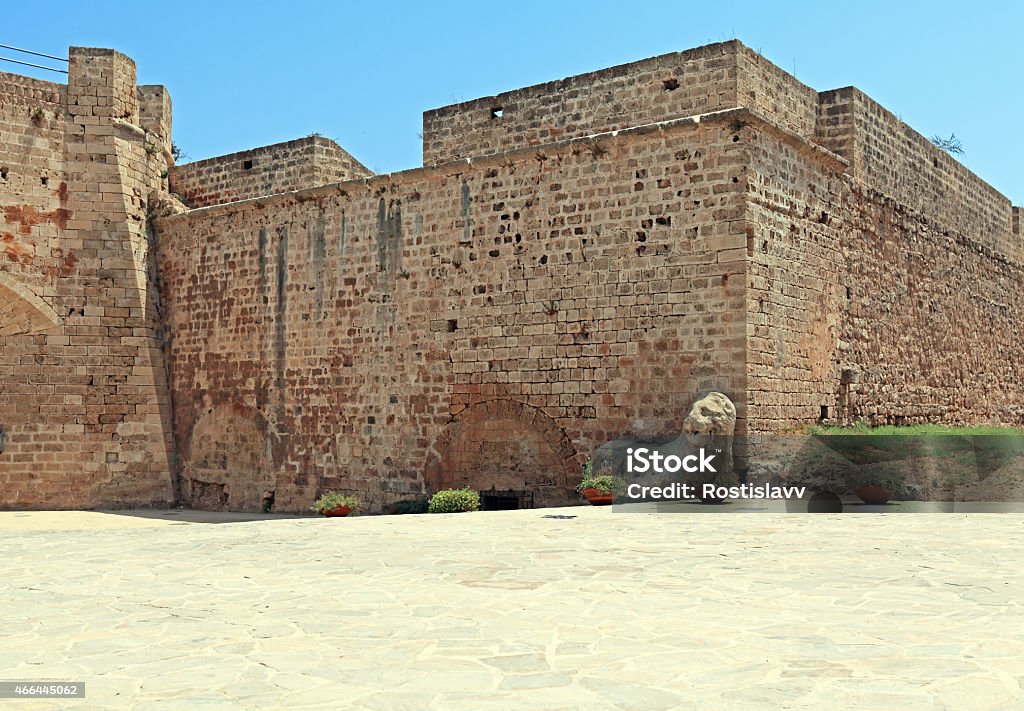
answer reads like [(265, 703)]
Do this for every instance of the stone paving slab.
[(579, 608)]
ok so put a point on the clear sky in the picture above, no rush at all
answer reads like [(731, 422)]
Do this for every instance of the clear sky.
[(245, 74)]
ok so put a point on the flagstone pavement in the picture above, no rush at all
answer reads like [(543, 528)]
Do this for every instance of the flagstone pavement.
[(571, 608)]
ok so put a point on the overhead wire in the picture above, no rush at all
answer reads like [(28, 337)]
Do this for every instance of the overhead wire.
[(31, 64)]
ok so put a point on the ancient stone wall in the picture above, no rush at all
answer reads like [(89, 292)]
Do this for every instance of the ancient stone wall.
[(774, 93), (797, 204), (892, 158), (487, 324), (716, 77), (862, 307), (932, 319), (83, 398), (279, 168)]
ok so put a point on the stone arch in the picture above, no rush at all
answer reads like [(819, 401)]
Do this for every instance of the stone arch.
[(507, 446), (22, 312), (229, 461)]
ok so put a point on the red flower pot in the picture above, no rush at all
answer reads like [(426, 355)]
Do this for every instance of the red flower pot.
[(337, 511), (596, 498), (872, 494)]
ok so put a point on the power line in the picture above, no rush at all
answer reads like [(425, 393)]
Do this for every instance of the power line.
[(29, 51), (30, 64)]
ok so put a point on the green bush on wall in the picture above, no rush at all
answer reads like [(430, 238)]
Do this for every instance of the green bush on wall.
[(454, 501)]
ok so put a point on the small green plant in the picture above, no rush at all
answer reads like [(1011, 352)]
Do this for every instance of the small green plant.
[(38, 115), (454, 501), (177, 154), (951, 145), (182, 199), (151, 148), (164, 174), (334, 499), (410, 506), (605, 484)]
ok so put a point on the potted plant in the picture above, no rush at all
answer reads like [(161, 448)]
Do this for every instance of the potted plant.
[(334, 503), (454, 501), (876, 484), (600, 490)]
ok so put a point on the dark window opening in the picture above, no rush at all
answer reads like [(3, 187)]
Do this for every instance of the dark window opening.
[(453, 325), (44, 180), (247, 164), (670, 84), (510, 500), (824, 413), (3, 173), (497, 112)]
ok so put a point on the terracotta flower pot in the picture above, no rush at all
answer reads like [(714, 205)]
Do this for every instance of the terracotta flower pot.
[(337, 511), (597, 498), (872, 494)]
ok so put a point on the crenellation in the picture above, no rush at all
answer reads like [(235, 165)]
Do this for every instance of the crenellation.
[(155, 113)]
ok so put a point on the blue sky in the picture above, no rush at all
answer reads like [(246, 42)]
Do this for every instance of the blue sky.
[(243, 74)]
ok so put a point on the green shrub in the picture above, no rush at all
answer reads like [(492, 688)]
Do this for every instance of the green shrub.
[(410, 506), (454, 501)]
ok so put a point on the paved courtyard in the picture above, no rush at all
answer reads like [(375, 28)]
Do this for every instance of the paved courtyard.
[(579, 608)]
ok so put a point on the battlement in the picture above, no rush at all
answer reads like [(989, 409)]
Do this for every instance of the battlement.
[(889, 156), (278, 168), (885, 154), (676, 85)]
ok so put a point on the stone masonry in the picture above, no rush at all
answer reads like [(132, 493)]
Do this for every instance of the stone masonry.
[(84, 404), (575, 262)]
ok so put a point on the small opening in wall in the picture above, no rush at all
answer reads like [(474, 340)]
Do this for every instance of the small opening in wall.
[(824, 413), (44, 180), (849, 293), (670, 84), (453, 325), (497, 112), (3, 173), (247, 165)]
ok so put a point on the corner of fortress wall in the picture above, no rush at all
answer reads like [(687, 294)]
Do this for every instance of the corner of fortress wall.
[(577, 261), (84, 404)]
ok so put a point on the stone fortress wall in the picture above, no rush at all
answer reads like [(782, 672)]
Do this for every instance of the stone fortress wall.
[(475, 324), (84, 404), (268, 170), (577, 261)]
